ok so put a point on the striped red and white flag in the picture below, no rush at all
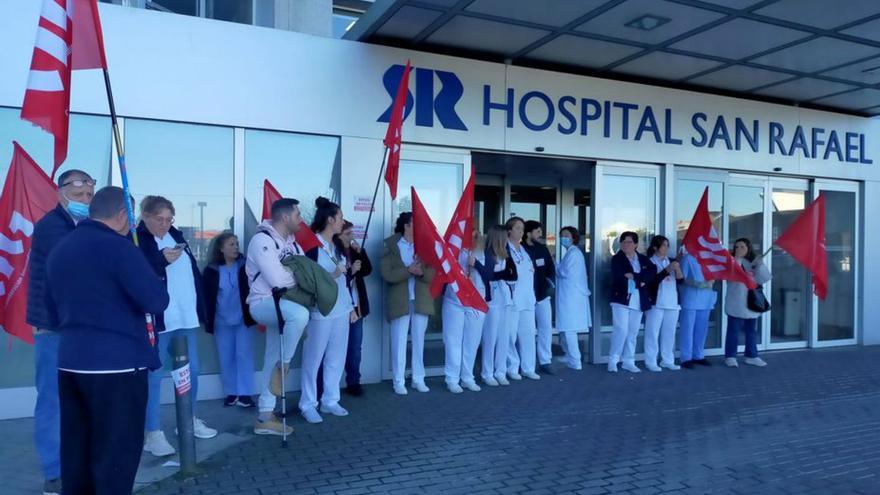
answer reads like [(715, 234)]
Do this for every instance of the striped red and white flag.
[(68, 38)]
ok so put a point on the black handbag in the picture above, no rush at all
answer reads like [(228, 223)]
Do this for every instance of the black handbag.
[(757, 301)]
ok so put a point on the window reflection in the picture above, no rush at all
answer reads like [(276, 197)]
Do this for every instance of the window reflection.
[(836, 312), (789, 320)]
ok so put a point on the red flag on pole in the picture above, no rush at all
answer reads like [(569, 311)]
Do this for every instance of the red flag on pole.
[(393, 136), (306, 239), (431, 249), (28, 194), (460, 231), (701, 241), (804, 240), (68, 38)]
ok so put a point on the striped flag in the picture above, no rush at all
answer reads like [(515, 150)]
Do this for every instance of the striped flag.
[(68, 38)]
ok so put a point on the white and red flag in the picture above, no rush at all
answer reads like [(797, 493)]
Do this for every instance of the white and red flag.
[(460, 231), (431, 249), (393, 136), (68, 38), (702, 242), (27, 195), (805, 241)]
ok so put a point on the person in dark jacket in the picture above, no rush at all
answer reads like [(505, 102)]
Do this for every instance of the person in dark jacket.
[(105, 350), (75, 191), (631, 274), (227, 316), (359, 268), (499, 295), (172, 260), (545, 282)]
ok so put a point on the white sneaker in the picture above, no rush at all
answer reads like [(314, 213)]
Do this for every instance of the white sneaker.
[(612, 367), (454, 388), (670, 366), (201, 430), (400, 390), (156, 444), (576, 367), (311, 415), (514, 376), (756, 361), (531, 375), (502, 380), (653, 367), (472, 386), (334, 409), (491, 381), (731, 363), (631, 367), (420, 386)]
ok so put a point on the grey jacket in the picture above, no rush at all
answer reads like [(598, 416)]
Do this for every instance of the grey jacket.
[(736, 301)]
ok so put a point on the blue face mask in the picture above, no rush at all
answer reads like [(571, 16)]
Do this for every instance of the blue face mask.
[(77, 210), (566, 242)]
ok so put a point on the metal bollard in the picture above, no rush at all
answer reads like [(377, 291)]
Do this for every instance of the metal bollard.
[(183, 402)]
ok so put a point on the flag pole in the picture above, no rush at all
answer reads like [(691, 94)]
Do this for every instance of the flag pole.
[(375, 193)]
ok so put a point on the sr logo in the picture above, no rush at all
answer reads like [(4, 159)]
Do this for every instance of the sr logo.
[(426, 102)]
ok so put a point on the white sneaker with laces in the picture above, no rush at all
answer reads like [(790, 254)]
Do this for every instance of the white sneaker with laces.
[(311, 415), (201, 430), (472, 386), (756, 361), (156, 444), (420, 386), (670, 366), (631, 367), (400, 390), (731, 363), (454, 388), (334, 409)]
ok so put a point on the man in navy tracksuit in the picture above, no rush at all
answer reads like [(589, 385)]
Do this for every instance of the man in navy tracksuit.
[(105, 351)]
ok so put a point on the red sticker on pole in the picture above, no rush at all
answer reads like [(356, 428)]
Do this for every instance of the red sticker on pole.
[(182, 379)]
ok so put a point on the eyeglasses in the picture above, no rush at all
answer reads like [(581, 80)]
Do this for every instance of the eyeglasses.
[(80, 183), (164, 220)]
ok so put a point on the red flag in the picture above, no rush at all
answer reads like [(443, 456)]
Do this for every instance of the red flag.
[(701, 241), (27, 195), (460, 231), (306, 239), (393, 136), (431, 249), (68, 37), (805, 241)]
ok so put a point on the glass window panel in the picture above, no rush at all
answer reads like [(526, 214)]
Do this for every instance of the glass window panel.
[(745, 216), (582, 204), (837, 311), (628, 204), (186, 7), (88, 150), (789, 319), (342, 22), (687, 196), (488, 203), (241, 11)]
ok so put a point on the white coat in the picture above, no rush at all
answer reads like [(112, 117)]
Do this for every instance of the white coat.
[(572, 292)]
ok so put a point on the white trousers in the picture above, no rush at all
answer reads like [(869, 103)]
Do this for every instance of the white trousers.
[(400, 327), (327, 341), (544, 323), (660, 323), (569, 343), (295, 319), (626, 330), (462, 331), (495, 343), (521, 340)]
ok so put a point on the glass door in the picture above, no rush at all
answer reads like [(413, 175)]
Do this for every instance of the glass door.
[(836, 315), (438, 178)]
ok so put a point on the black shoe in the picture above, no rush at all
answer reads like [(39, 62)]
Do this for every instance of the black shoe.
[(703, 362), (546, 369), (230, 400), (245, 401), (355, 390), (687, 365), (52, 487)]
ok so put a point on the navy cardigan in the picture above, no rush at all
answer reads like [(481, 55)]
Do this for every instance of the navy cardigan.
[(509, 273), (211, 286), (157, 260), (620, 266), (544, 275), (358, 278), (48, 233), (99, 288)]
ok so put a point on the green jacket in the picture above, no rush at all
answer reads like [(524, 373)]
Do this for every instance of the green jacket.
[(396, 275), (314, 286)]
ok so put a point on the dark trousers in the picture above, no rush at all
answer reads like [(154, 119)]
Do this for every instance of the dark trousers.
[(102, 431), (749, 327), (352, 358)]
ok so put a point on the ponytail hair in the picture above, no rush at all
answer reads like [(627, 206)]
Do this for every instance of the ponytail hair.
[(324, 211)]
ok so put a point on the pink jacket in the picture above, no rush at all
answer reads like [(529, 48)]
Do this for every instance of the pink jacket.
[(263, 265)]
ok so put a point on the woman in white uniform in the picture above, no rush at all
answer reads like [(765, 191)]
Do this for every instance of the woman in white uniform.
[(662, 318), (521, 315), (631, 272), (463, 326), (500, 297), (326, 336), (572, 296)]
